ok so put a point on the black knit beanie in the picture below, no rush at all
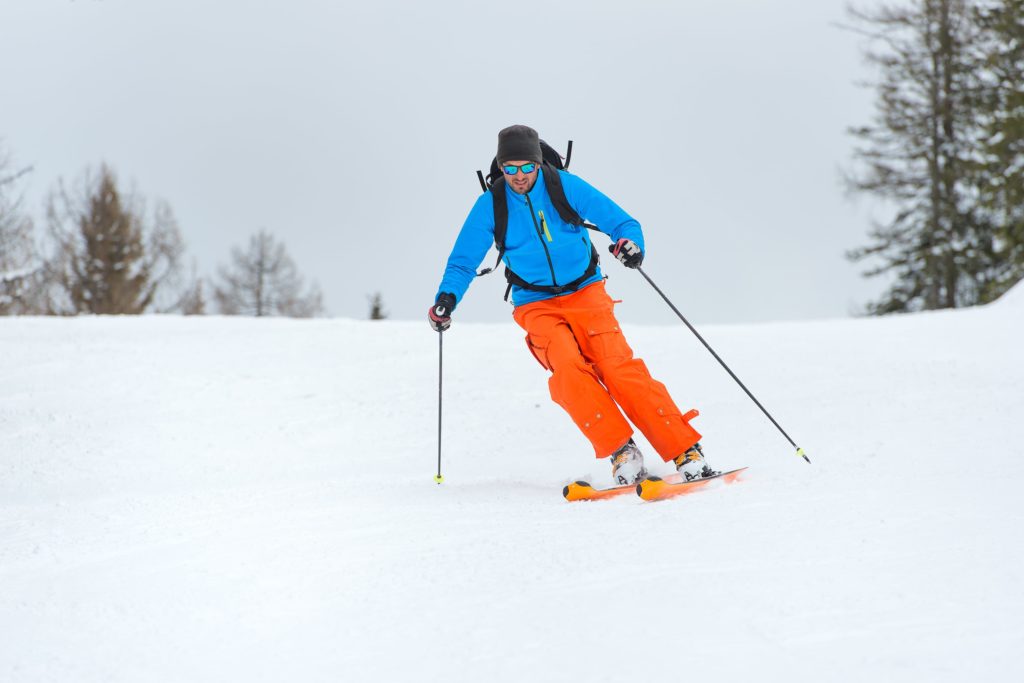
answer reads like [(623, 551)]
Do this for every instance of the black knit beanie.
[(519, 143)]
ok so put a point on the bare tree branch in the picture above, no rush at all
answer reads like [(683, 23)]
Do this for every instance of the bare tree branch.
[(264, 281)]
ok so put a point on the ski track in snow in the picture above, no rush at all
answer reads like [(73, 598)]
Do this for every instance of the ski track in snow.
[(213, 499)]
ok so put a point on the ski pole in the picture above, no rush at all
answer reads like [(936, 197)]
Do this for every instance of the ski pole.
[(440, 375), (799, 451)]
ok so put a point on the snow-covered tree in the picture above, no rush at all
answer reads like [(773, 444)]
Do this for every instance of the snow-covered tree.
[(19, 263), (1001, 54), (922, 154)]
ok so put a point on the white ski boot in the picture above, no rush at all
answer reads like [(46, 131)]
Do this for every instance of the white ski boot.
[(628, 465), (691, 464)]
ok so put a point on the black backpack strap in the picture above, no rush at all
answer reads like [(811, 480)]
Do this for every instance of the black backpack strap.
[(553, 181), (500, 204)]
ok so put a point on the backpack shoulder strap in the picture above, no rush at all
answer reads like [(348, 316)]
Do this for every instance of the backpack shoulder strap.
[(553, 181), (500, 204)]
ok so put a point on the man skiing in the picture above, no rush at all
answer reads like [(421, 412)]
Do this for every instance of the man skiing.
[(559, 297)]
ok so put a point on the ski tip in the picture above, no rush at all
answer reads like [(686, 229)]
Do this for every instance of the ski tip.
[(578, 490), (649, 487), (650, 481)]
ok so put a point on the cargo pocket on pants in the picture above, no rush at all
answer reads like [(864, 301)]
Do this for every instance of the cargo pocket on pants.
[(539, 348), (606, 339)]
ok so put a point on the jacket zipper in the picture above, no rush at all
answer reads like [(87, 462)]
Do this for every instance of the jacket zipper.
[(540, 236)]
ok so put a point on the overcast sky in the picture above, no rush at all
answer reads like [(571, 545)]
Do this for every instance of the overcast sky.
[(352, 132)]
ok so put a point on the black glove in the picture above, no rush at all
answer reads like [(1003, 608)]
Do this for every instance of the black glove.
[(440, 314), (628, 252)]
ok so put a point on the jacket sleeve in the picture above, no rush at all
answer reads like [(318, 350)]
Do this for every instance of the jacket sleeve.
[(594, 207), (471, 246)]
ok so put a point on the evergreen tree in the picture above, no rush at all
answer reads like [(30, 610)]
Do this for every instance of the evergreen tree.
[(1001, 52), (109, 261), (264, 281), (377, 311), (921, 154)]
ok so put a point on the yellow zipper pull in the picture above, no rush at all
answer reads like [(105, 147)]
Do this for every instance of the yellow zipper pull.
[(544, 225)]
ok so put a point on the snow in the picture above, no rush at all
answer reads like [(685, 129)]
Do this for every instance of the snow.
[(217, 499), (1014, 297)]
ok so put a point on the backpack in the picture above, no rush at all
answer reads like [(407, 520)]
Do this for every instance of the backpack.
[(494, 183)]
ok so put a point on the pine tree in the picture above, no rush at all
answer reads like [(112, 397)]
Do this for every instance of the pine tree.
[(921, 155), (1001, 52), (264, 281), (109, 261), (377, 311)]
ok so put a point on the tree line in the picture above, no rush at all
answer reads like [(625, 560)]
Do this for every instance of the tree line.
[(945, 151), (105, 252)]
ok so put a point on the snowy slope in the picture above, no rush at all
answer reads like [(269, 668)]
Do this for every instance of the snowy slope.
[(211, 499)]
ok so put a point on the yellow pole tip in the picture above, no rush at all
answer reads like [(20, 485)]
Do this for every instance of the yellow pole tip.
[(439, 479)]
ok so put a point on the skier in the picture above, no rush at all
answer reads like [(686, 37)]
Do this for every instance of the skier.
[(560, 300)]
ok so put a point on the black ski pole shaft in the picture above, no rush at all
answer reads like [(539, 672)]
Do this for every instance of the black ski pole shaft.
[(440, 376), (799, 451)]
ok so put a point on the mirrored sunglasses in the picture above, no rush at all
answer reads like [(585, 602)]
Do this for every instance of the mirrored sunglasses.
[(525, 168)]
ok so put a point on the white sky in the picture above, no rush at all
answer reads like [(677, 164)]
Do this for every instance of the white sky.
[(352, 132)]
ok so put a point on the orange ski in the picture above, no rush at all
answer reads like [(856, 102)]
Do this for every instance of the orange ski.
[(582, 490), (655, 488)]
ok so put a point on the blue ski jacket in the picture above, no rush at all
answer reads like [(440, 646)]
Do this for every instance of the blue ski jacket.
[(540, 247)]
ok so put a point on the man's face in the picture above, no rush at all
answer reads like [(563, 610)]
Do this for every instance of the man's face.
[(520, 182)]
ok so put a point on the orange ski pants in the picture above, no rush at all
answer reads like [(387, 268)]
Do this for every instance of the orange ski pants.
[(594, 374)]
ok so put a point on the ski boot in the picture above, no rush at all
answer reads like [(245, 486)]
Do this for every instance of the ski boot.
[(691, 464), (628, 465)]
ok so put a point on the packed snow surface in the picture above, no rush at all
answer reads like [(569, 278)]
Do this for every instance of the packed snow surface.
[(214, 499)]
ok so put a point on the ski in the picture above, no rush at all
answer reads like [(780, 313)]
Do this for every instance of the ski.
[(582, 490), (655, 488)]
